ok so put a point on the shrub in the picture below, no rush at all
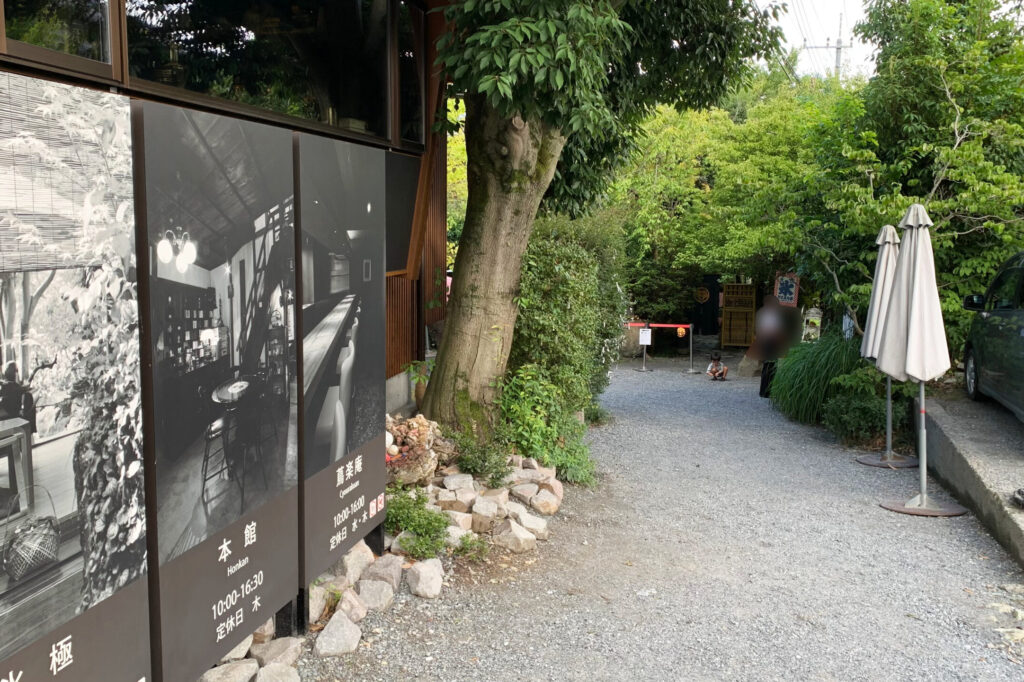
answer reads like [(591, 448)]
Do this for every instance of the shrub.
[(803, 379), (854, 419), (538, 425), (485, 460), (596, 415), (473, 547), (406, 511)]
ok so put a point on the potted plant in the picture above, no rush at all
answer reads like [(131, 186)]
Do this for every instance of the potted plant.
[(419, 374)]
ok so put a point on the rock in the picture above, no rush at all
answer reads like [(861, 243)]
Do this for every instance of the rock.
[(516, 461), (388, 541), (527, 476), (530, 463), (278, 672), (514, 537), (388, 569), (352, 606), (377, 595), (318, 598), (460, 520), (239, 652), (525, 492), (553, 486), (340, 636), (446, 499), (460, 500), (389, 439), (453, 537), (445, 449), (485, 514), (536, 525), (355, 562), (282, 650), (458, 482), (545, 503), (433, 507), (425, 578), (336, 585), (415, 468), (398, 547), (515, 510), (236, 671), (499, 495), (265, 632), (548, 472), (466, 497)]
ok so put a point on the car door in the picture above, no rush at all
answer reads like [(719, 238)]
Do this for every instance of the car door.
[(998, 340), (1015, 358)]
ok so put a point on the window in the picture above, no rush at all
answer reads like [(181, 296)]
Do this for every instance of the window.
[(1003, 292), (410, 72), (70, 34), (321, 61)]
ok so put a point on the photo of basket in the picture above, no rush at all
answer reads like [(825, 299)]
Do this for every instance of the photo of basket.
[(33, 545)]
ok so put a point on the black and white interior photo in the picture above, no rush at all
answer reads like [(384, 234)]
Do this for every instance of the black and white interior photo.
[(220, 220), (72, 508), (343, 222)]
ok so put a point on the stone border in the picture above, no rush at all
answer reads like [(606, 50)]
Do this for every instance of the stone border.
[(957, 461)]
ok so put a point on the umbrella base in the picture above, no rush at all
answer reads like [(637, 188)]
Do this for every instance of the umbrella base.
[(642, 369), (888, 461), (927, 506)]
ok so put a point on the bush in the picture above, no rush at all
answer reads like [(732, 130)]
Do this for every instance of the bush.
[(804, 378), (406, 511), (571, 304), (538, 425), (596, 415), (473, 547), (854, 419), (486, 460)]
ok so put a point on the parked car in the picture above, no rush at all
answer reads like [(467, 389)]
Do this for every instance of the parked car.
[(994, 352)]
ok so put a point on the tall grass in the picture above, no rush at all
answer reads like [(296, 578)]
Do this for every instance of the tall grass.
[(803, 378)]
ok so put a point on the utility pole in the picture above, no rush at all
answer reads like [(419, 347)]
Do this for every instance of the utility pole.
[(839, 48)]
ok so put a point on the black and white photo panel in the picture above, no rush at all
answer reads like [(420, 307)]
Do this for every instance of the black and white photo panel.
[(220, 225), (73, 588), (342, 189)]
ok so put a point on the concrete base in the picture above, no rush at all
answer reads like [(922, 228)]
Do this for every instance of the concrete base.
[(974, 449), (398, 395)]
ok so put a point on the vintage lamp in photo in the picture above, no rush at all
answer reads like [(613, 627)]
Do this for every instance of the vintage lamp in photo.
[(176, 245)]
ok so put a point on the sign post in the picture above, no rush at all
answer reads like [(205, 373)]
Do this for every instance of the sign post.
[(645, 340)]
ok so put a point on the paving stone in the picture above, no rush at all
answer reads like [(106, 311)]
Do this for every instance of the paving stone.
[(340, 636), (388, 568), (376, 594), (425, 578), (281, 650)]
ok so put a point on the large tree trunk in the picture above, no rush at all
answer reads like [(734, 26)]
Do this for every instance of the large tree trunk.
[(510, 164)]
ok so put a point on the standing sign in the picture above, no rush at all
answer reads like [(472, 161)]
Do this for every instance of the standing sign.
[(73, 592), (645, 336), (787, 289), (342, 264), (219, 210)]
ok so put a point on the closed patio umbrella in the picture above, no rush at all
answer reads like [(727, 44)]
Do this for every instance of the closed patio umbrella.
[(885, 267), (913, 344)]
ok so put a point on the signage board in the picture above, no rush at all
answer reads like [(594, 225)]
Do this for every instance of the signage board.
[(645, 336), (342, 226), (73, 588), (220, 225)]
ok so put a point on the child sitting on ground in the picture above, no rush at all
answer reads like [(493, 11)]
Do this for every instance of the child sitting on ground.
[(716, 370)]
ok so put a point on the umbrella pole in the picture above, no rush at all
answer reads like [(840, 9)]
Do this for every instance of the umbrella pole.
[(922, 505), (889, 460)]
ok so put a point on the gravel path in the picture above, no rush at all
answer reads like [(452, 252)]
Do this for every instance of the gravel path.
[(723, 543)]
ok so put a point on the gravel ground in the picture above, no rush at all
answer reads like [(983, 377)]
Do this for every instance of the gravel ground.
[(722, 543)]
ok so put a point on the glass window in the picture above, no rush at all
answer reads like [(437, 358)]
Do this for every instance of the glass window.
[(317, 60), (75, 27), (1003, 293), (410, 71)]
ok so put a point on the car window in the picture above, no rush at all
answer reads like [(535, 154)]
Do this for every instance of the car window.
[(1002, 294)]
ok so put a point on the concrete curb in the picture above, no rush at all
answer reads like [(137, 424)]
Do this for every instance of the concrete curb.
[(976, 477)]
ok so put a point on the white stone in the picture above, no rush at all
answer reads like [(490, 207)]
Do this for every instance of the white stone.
[(458, 481), (554, 486), (355, 562), (282, 650), (425, 578), (514, 537), (460, 520), (340, 636), (536, 525), (278, 672), (485, 513), (527, 476), (236, 671), (265, 632), (453, 538), (545, 503), (388, 568), (352, 605), (376, 594), (239, 652), (389, 439), (524, 492), (318, 598), (530, 463), (398, 546), (515, 509)]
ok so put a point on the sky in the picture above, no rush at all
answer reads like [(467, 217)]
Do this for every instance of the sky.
[(817, 21)]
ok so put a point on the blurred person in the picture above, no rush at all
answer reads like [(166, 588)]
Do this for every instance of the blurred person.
[(769, 328)]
